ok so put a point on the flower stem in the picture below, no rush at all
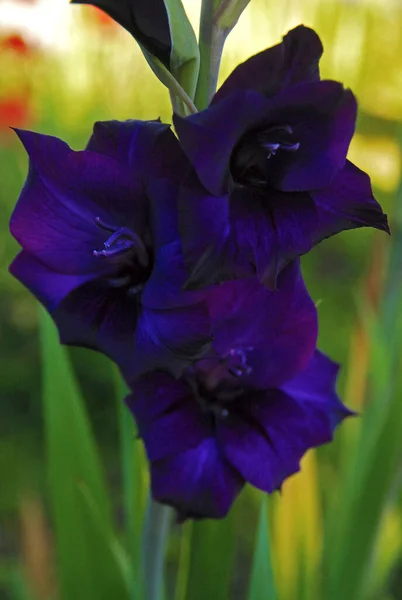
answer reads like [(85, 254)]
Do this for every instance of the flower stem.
[(177, 91), (229, 12), (211, 41), (218, 17), (155, 536)]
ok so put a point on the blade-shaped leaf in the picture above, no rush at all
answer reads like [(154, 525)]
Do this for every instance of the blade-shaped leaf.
[(371, 477), (211, 558), (87, 567), (262, 579), (135, 484)]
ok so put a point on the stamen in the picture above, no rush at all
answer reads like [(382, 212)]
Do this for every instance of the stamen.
[(120, 248), (115, 246), (279, 135), (104, 225), (250, 162), (289, 147), (238, 369), (272, 148)]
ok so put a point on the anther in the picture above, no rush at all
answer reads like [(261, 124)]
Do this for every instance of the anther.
[(239, 366), (115, 246)]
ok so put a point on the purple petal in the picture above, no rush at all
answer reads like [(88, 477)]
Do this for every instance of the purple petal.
[(263, 458), (322, 116), (209, 253), (266, 434), (100, 317), (276, 330), (209, 137), (315, 390), (61, 238), (170, 339), (164, 392), (164, 288), (292, 61), (149, 148), (112, 321), (169, 275), (96, 315), (187, 469), (199, 483), (123, 140), (65, 191), (253, 231), (168, 416), (163, 195), (271, 228), (348, 203), (87, 312), (48, 286)]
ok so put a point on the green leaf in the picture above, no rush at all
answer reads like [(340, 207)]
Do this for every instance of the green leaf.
[(135, 484), (360, 518), (108, 548), (211, 558), (185, 55), (89, 567), (371, 477), (18, 587), (229, 13), (262, 578), (184, 561)]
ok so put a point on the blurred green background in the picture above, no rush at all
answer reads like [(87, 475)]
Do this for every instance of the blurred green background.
[(62, 68)]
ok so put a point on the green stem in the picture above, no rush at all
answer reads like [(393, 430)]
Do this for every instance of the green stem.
[(218, 17), (176, 89), (211, 41), (177, 105), (229, 12), (155, 536)]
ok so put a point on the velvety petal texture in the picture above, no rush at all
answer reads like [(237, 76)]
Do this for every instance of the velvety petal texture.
[(270, 152), (201, 453), (187, 470), (152, 152), (93, 238), (65, 192), (247, 412), (280, 337), (322, 118), (348, 203), (294, 60), (178, 257), (271, 229), (209, 137)]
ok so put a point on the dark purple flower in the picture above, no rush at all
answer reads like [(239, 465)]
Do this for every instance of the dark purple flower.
[(247, 413), (146, 20), (93, 241), (270, 155)]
